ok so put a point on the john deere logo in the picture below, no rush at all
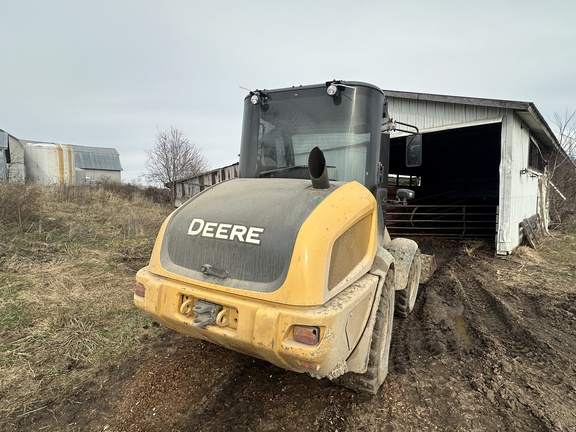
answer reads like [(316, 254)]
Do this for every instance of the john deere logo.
[(225, 231)]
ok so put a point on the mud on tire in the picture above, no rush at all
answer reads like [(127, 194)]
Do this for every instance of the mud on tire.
[(406, 298), (371, 380)]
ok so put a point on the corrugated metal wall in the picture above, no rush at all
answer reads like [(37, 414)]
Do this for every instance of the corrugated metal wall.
[(4, 156), (188, 188), (97, 158), (51, 163), (431, 115), (17, 169), (519, 188)]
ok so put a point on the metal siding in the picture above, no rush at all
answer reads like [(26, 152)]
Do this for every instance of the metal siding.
[(3, 140), (3, 166), (518, 192), (430, 114), (103, 175), (17, 171), (79, 177), (97, 158), (3, 154), (524, 186), (197, 184), (43, 163)]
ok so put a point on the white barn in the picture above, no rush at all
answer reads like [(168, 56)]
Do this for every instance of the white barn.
[(52, 163), (73, 165), (483, 172)]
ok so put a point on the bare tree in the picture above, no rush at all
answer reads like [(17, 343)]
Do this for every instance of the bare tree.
[(562, 171), (173, 158), (566, 132)]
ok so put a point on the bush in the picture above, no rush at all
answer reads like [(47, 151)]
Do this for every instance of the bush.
[(19, 204), (562, 207)]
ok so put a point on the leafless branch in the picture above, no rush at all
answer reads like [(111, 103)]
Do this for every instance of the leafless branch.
[(562, 170), (173, 158)]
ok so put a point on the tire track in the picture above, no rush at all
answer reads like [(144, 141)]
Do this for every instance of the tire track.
[(508, 343)]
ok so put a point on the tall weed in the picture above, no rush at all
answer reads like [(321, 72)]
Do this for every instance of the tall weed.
[(19, 204)]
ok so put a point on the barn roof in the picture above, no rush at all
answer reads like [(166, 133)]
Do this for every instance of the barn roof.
[(526, 111), (96, 158)]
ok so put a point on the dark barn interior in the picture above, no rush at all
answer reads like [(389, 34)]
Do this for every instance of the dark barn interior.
[(456, 186)]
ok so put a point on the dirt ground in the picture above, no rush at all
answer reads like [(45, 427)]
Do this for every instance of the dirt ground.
[(490, 345)]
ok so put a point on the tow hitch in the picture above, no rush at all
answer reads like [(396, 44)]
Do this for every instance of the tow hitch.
[(205, 313)]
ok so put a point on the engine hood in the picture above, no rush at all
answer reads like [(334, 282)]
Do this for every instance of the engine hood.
[(240, 233)]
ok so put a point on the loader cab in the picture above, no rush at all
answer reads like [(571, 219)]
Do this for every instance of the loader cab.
[(343, 119)]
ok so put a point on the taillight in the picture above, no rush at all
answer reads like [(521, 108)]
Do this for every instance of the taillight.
[(309, 365), (306, 334), (139, 290)]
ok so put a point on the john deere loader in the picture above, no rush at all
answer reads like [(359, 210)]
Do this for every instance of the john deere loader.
[(291, 262)]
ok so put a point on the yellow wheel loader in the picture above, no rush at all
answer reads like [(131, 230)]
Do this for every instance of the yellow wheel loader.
[(291, 262)]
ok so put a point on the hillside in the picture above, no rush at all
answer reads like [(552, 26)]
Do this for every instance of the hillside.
[(490, 346)]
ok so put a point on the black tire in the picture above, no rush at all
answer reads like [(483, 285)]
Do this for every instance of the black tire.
[(371, 380), (406, 298)]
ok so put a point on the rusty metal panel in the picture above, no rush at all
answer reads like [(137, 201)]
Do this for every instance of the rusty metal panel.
[(195, 185)]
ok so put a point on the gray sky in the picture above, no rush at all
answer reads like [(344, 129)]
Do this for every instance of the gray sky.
[(111, 73)]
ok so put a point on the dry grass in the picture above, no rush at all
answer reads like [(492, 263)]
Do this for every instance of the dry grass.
[(471, 246), (67, 262), (552, 264), (559, 252)]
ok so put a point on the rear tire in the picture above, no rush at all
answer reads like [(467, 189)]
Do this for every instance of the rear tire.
[(371, 380), (380, 348), (406, 298)]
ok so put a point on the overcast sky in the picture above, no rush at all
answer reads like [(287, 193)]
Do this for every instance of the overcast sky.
[(111, 73)]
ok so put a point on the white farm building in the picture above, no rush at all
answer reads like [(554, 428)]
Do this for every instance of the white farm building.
[(187, 188), (52, 163), (484, 167)]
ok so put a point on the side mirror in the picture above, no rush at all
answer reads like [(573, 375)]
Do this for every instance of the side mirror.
[(414, 150)]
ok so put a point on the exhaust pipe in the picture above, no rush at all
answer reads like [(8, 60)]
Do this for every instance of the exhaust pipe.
[(318, 170)]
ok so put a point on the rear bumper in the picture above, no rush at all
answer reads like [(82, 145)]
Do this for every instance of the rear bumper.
[(265, 330)]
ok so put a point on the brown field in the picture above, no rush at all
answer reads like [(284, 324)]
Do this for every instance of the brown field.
[(491, 344)]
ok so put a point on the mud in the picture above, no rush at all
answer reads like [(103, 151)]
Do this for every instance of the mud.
[(490, 345)]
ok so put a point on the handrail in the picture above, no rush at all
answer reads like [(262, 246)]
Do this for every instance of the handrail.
[(442, 220)]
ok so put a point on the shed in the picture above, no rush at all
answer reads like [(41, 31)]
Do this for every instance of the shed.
[(483, 171), (53, 163), (11, 158), (98, 163), (187, 188)]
